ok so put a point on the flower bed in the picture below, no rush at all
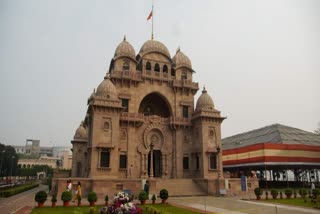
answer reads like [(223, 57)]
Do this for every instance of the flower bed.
[(121, 204)]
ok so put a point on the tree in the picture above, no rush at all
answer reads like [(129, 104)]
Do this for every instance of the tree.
[(8, 160)]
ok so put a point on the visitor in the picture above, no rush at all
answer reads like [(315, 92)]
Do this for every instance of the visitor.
[(146, 187), (77, 192), (67, 185), (70, 185)]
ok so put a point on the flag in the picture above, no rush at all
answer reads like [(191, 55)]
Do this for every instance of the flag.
[(150, 15)]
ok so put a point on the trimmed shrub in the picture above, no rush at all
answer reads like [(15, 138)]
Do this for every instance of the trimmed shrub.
[(143, 195), (288, 192), (66, 196), (54, 198), (274, 193), (164, 195), (303, 193), (258, 191), (40, 197), (92, 197)]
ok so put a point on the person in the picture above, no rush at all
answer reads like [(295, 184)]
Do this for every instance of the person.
[(78, 192), (146, 187), (67, 185), (312, 187), (130, 171), (70, 185)]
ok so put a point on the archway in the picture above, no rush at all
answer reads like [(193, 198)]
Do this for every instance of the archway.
[(157, 166), (154, 104)]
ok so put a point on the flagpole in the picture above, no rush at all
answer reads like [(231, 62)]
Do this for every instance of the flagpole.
[(152, 21)]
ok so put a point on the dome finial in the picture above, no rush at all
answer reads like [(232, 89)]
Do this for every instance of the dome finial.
[(124, 38), (204, 90), (94, 90), (178, 49)]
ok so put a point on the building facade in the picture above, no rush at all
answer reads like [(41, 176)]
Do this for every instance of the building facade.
[(141, 121)]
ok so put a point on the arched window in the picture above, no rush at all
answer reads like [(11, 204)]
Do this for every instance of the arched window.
[(173, 72), (139, 66), (165, 69), (148, 66), (157, 67), (184, 75), (126, 66)]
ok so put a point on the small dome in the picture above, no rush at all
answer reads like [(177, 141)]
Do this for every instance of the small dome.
[(125, 49), (181, 60), (81, 132), (154, 46), (204, 101), (107, 89)]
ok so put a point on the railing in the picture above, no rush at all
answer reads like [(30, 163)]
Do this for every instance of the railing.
[(127, 74), (185, 83), (131, 116)]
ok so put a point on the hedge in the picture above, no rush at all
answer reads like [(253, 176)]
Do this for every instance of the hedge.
[(16, 190)]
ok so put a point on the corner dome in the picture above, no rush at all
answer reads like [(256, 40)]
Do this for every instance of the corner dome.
[(205, 101), (125, 49), (107, 89), (81, 132), (181, 60), (154, 46)]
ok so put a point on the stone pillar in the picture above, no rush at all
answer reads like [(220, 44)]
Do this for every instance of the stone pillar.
[(151, 161)]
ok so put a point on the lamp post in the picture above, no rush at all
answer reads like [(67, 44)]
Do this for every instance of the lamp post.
[(219, 170), (2, 155), (12, 158), (151, 160)]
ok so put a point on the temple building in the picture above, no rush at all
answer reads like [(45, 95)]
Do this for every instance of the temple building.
[(141, 123)]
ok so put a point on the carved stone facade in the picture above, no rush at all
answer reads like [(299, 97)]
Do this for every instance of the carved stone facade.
[(142, 116)]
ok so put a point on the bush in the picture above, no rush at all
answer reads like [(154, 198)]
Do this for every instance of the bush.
[(54, 198), (258, 191), (303, 192), (16, 190), (66, 196), (274, 192), (40, 197), (315, 192), (92, 197), (143, 195), (106, 198), (288, 192), (164, 195), (153, 197)]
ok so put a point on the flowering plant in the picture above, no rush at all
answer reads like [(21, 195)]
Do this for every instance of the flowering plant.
[(121, 204)]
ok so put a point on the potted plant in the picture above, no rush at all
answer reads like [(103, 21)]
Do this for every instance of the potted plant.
[(303, 194), (288, 193), (66, 197), (54, 200), (258, 192), (274, 193), (153, 198), (267, 194), (281, 195), (143, 196), (92, 198), (164, 195), (79, 200), (106, 199), (40, 197)]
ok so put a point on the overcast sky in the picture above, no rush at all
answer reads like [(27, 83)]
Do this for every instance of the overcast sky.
[(259, 60)]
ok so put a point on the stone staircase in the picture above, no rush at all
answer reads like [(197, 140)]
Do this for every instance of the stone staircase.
[(178, 187)]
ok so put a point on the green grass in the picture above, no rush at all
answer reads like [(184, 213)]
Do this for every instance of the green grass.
[(169, 209), (166, 208), (294, 201), (64, 210)]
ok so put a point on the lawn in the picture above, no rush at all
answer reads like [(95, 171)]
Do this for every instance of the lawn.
[(86, 209), (294, 201)]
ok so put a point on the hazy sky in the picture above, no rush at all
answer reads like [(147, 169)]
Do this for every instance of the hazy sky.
[(259, 60)]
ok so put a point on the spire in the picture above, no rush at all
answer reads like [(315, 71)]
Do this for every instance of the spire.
[(124, 38), (204, 90), (178, 49)]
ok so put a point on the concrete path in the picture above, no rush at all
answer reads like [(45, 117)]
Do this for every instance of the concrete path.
[(231, 205), (17, 203)]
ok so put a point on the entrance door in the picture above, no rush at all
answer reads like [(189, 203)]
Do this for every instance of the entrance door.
[(157, 167)]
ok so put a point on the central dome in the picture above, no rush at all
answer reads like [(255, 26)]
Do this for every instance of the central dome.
[(154, 46)]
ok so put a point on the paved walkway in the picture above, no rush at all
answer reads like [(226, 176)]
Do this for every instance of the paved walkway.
[(17, 203), (230, 205), (24, 202)]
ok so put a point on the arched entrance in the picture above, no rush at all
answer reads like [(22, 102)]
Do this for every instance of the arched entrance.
[(155, 104), (156, 163)]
